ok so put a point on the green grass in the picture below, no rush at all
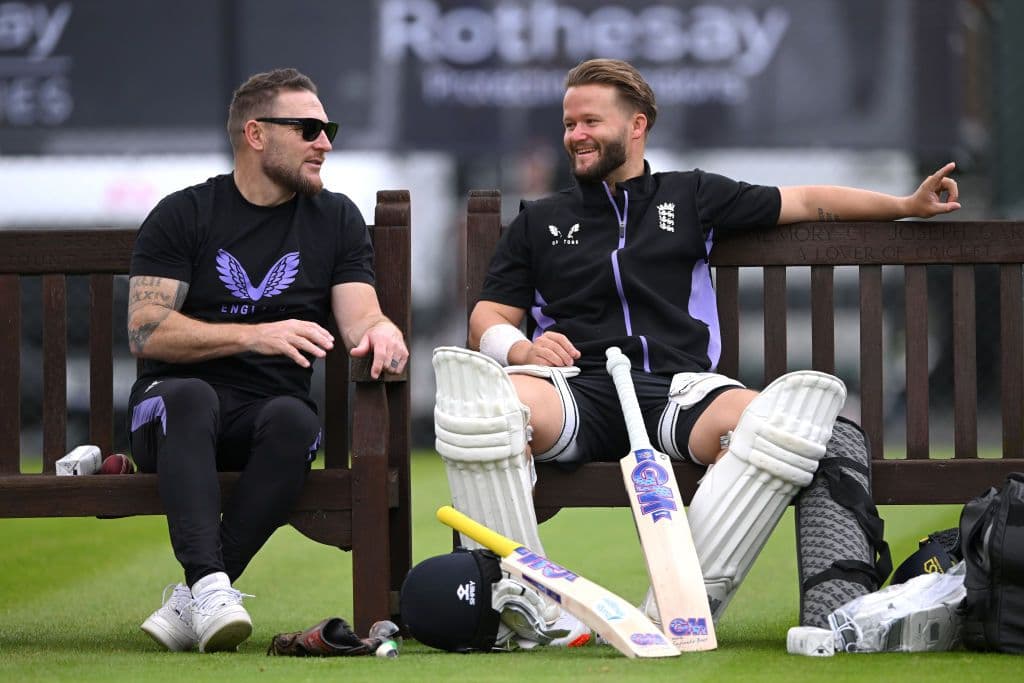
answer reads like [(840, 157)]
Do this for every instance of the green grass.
[(73, 592)]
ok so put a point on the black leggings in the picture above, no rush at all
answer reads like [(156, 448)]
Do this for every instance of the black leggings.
[(186, 431)]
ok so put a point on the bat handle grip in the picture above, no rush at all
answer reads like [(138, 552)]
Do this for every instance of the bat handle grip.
[(618, 367), (478, 532)]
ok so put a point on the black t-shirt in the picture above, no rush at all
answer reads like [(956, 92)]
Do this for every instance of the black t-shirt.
[(252, 264), (629, 270)]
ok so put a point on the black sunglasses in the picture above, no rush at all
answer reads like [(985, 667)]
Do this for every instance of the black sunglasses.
[(310, 127)]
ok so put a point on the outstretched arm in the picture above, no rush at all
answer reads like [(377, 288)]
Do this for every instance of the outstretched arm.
[(156, 329), (835, 203)]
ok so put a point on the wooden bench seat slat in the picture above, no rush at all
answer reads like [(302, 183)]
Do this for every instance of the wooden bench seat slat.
[(894, 482), (1011, 307), (872, 416), (108, 495), (965, 364), (10, 374), (55, 364), (916, 348)]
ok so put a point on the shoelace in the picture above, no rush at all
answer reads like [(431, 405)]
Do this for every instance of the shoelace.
[(210, 600), (173, 588)]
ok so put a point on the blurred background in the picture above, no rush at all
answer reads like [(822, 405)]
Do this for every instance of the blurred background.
[(108, 105)]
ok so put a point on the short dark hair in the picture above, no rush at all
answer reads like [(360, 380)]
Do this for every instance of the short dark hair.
[(624, 77), (255, 97)]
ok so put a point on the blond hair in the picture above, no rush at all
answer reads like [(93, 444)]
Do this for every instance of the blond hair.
[(633, 90)]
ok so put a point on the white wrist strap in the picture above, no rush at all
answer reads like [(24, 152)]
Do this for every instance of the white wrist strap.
[(498, 340)]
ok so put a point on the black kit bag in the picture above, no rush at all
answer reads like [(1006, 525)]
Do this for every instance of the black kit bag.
[(992, 541)]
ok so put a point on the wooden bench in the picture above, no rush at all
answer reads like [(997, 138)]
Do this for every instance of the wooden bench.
[(915, 476), (362, 504)]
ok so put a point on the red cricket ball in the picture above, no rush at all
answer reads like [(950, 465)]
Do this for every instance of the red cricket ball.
[(117, 463)]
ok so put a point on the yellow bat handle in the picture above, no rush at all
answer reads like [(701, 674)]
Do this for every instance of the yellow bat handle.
[(488, 538)]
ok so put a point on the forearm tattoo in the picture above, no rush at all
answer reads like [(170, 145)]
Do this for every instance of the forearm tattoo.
[(146, 291), (827, 216), (138, 336)]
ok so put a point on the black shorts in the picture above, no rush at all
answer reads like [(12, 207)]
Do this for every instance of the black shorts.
[(594, 429)]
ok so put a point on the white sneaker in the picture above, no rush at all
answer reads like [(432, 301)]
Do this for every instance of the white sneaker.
[(171, 625), (579, 633), (219, 619)]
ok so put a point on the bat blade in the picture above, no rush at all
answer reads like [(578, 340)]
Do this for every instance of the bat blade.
[(618, 622), (672, 563)]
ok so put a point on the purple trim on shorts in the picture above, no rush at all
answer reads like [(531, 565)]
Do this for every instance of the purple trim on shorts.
[(647, 356), (311, 456), (544, 323), (148, 411), (702, 305)]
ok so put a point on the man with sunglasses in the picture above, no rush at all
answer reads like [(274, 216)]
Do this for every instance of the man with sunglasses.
[(232, 282)]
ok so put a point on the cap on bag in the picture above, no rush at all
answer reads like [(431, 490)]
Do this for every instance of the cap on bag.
[(446, 601)]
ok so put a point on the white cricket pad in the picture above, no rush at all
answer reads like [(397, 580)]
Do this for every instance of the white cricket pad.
[(773, 453), (481, 433)]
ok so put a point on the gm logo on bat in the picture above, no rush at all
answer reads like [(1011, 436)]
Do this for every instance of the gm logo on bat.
[(649, 478), (688, 626), (647, 638)]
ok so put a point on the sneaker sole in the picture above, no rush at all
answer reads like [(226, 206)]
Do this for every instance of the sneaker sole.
[(157, 628), (226, 635)]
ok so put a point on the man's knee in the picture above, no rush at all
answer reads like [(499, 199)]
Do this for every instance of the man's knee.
[(291, 420), (720, 418), (187, 401), (547, 416)]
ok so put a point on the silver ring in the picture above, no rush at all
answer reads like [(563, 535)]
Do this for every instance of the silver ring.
[(394, 363)]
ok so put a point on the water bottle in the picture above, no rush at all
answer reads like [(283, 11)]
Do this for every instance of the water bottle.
[(388, 633)]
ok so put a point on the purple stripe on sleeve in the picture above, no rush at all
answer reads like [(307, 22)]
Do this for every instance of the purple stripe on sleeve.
[(702, 306), (149, 410), (544, 323)]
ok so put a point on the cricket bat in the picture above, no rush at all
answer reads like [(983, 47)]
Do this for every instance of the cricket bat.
[(620, 624), (672, 564)]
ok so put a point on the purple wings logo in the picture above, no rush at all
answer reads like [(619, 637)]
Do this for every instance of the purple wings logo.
[(277, 279)]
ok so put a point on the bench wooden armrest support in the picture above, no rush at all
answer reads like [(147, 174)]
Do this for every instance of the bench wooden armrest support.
[(360, 503)]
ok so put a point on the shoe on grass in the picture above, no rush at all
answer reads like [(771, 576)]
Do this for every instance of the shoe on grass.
[(171, 624), (219, 620)]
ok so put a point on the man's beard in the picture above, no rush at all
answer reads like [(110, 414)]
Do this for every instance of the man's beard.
[(291, 179), (613, 155)]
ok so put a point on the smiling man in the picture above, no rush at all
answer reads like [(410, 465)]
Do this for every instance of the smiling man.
[(620, 259), (232, 283)]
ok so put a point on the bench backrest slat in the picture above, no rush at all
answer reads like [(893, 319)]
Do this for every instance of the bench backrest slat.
[(483, 228), (823, 319), (1011, 324), (872, 413), (775, 342), (10, 374), (965, 364), (915, 288), (101, 362), (55, 365), (727, 284)]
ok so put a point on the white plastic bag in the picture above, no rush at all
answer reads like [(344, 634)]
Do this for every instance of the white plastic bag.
[(920, 615)]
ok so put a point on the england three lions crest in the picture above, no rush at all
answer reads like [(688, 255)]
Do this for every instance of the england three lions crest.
[(667, 216)]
